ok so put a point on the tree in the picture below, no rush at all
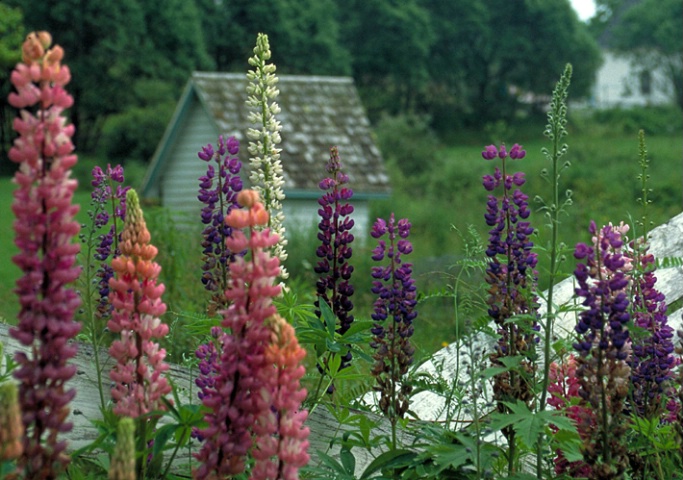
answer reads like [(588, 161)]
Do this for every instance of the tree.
[(498, 47), (304, 34), (651, 31), (389, 42), (112, 44), (11, 38)]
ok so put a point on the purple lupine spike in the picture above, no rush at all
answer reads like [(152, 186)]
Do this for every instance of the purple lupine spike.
[(510, 275), (218, 190), (603, 346), (334, 284), (394, 312), (652, 361), (108, 194)]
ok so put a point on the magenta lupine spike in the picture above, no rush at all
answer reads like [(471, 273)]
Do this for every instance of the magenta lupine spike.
[(564, 396), (138, 374), (603, 346), (232, 400), (281, 446), (45, 230)]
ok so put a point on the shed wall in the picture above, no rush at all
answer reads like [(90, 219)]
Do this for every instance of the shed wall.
[(179, 182)]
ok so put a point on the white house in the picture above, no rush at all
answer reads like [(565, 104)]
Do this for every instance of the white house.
[(627, 81)]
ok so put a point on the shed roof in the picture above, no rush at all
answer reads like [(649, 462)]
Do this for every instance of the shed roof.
[(317, 113)]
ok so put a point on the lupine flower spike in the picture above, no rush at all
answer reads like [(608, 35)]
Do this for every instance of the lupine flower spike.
[(652, 361), (334, 284), (243, 397), (218, 190), (138, 374), (282, 440), (45, 229), (511, 278), (603, 347), (108, 195), (564, 396), (266, 173), (394, 314)]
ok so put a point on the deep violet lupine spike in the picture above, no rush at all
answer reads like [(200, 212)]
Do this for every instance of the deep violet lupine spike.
[(334, 283), (394, 312), (140, 385), (240, 402), (45, 229), (603, 346), (510, 275), (218, 190)]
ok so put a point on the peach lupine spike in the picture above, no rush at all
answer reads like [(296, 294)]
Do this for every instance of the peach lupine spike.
[(136, 298)]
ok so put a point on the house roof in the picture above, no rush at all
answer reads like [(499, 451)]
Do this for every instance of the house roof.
[(317, 113)]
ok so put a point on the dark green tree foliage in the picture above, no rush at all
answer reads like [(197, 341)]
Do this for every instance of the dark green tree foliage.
[(112, 44), (389, 42), (489, 52), (652, 30), (304, 34), (11, 36)]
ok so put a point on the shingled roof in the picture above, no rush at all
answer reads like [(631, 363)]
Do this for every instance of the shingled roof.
[(317, 113)]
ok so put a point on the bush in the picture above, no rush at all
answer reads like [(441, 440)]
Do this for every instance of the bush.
[(407, 142), (134, 134)]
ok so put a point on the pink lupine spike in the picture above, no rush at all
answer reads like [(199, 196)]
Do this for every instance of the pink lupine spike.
[(44, 228), (254, 396)]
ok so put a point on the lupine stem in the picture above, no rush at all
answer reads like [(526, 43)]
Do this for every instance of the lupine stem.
[(555, 131)]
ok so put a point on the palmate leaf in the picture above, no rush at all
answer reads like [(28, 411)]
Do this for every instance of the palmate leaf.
[(529, 425)]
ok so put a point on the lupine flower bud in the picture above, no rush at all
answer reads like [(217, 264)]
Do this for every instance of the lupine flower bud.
[(11, 428), (122, 465)]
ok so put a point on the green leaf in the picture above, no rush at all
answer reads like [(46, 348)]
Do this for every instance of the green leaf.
[(451, 455), (348, 460), (161, 438), (329, 318), (335, 466), (390, 459)]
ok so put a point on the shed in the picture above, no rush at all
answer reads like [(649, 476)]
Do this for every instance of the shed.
[(317, 113)]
